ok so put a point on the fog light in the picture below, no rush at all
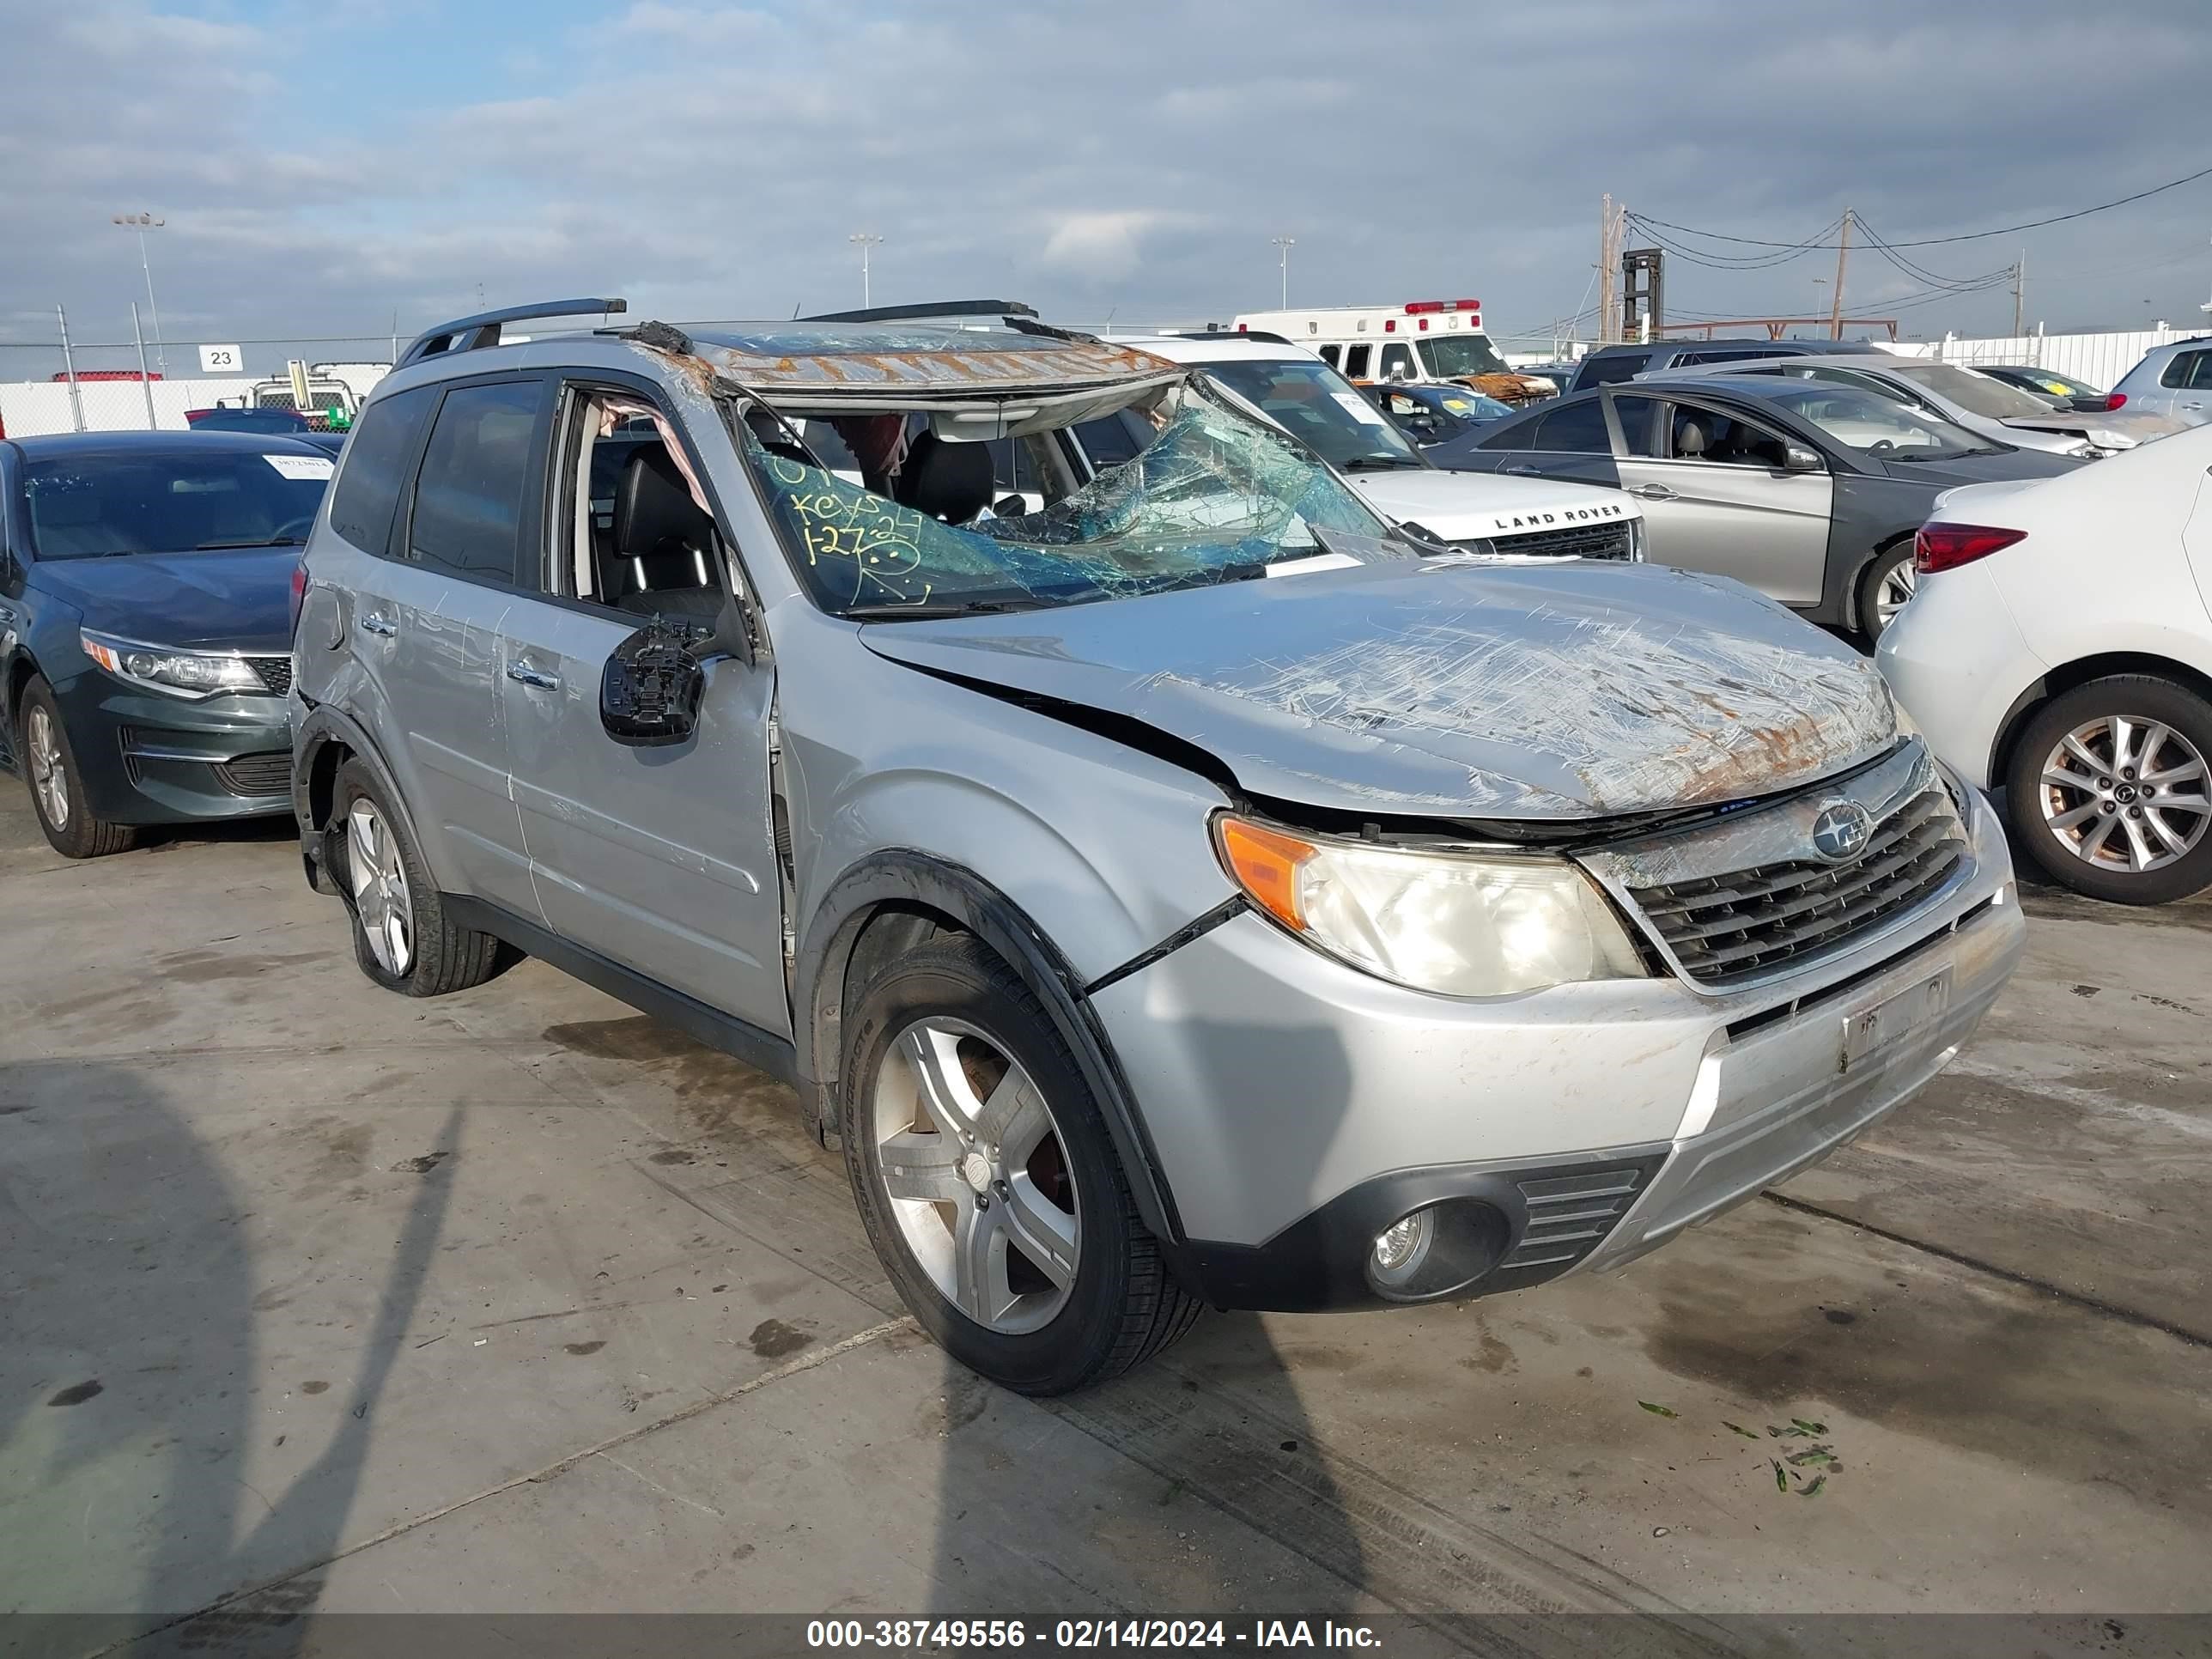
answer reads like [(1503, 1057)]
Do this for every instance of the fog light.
[(1400, 1248)]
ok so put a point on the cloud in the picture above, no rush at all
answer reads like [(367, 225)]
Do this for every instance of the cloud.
[(319, 169)]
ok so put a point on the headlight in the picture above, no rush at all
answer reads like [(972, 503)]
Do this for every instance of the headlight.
[(1457, 924), (179, 673), (1635, 538)]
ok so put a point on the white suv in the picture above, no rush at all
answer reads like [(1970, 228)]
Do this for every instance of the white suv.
[(2172, 379), (1481, 512)]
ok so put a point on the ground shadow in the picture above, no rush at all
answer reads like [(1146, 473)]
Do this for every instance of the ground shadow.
[(128, 1379)]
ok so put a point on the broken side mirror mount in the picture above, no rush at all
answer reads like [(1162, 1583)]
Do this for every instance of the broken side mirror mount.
[(650, 689)]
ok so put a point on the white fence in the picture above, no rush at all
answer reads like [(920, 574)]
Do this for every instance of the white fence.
[(2099, 359)]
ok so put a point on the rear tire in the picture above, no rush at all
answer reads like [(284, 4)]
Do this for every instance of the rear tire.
[(402, 937), (2111, 770), (56, 787), (1032, 1159)]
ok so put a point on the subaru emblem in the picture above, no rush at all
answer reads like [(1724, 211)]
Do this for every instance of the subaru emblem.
[(1842, 830)]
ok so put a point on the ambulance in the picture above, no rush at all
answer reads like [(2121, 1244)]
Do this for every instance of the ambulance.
[(1421, 340)]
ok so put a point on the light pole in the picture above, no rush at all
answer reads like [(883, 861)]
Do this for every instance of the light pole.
[(142, 223), (865, 240), (1287, 243)]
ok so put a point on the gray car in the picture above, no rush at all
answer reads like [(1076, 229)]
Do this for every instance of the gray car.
[(1187, 893), (2173, 380), (1810, 490)]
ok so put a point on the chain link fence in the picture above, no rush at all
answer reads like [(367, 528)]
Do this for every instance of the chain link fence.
[(68, 382)]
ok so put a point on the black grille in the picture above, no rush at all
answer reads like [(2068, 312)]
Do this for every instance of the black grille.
[(1752, 921), (275, 672), (1615, 540), (257, 775), (1570, 1215)]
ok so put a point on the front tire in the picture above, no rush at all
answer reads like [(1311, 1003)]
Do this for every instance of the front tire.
[(2108, 791), (987, 1181), (57, 786), (402, 937)]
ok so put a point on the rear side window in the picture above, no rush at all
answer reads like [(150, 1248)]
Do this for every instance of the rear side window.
[(1329, 355), (375, 467), (2189, 370), (476, 478), (1355, 361), (1397, 360), (1611, 371), (1578, 427)]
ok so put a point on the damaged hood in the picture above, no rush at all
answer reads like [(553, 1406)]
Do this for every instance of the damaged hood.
[(1451, 686)]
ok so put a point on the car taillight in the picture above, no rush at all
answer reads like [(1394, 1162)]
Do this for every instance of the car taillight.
[(2113, 400), (1948, 546), (299, 591)]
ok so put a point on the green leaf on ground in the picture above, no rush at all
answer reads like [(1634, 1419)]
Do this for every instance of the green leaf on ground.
[(1819, 1456), (1781, 1479), (1804, 1427), (1812, 1486), (1738, 1428), (1656, 1411)]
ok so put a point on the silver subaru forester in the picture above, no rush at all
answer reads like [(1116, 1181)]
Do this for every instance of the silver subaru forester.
[(1172, 884)]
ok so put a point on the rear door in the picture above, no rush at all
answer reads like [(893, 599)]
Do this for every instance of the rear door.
[(661, 860), (1717, 497), (1571, 441)]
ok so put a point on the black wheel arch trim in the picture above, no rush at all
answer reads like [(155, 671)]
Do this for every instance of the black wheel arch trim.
[(323, 726), (908, 876)]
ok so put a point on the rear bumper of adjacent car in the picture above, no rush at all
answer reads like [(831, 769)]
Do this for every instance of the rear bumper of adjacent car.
[(143, 758), (1298, 1108), (1956, 659)]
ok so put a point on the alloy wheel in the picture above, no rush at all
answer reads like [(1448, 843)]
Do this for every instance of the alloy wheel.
[(379, 888), (1896, 587), (977, 1177), (49, 774), (2125, 794)]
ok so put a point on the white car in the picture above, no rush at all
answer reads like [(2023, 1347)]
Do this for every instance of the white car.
[(1480, 512), (2059, 644)]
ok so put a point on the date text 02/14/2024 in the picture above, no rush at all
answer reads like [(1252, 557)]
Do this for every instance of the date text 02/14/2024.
[(1069, 1635)]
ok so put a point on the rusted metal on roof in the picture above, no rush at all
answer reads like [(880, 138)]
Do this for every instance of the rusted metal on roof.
[(831, 357)]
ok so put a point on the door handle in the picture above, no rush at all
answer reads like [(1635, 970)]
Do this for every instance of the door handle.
[(1654, 492), (376, 623), (536, 678)]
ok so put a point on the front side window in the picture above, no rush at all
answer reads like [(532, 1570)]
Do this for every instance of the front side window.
[(1635, 414), (1217, 496), (1456, 357), (375, 470), (170, 500), (477, 476)]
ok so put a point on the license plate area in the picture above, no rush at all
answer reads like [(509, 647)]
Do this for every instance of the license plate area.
[(1868, 1031)]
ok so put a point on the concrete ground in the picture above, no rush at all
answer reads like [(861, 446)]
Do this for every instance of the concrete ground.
[(317, 1297)]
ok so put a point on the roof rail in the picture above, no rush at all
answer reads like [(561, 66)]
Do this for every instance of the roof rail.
[(917, 314), (484, 328), (1215, 332)]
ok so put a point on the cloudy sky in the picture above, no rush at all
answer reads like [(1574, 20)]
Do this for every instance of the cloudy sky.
[(327, 169)]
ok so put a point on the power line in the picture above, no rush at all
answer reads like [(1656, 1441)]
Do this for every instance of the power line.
[(1936, 241)]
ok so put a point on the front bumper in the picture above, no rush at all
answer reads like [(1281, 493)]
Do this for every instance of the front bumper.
[(146, 758), (1297, 1107)]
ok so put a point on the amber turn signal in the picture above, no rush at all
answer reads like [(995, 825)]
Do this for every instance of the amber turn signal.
[(1266, 864)]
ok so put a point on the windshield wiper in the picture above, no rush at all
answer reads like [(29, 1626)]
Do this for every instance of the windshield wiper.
[(1379, 461), (261, 541), (934, 610)]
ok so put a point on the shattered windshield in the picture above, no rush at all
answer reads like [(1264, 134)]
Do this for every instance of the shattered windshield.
[(1215, 497), (1461, 354)]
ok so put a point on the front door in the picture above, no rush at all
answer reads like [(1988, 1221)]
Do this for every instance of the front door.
[(1717, 497), (662, 860)]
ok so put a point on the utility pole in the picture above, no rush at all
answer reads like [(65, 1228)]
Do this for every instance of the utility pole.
[(2019, 296), (1843, 253), (864, 241), (1609, 266), (1287, 243)]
